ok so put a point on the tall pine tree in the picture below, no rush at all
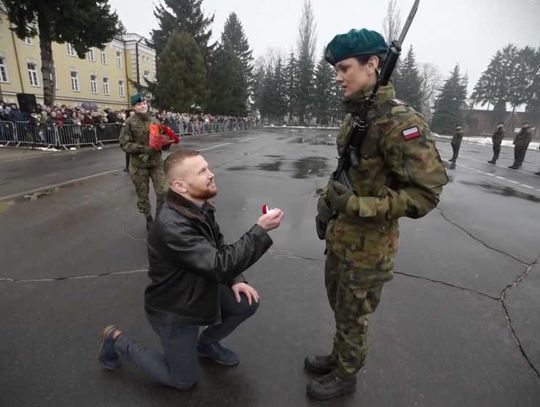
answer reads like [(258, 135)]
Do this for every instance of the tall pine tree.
[(181, 81), (233, 35), (493, 87), (182, 16), (322, 96), (84, 23), (409, 83), (291, 87), (449, 104), (230, 71)]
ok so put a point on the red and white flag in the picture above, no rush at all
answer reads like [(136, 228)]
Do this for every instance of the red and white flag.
[(410, 133)]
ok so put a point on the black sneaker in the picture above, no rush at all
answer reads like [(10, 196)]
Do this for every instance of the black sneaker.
[(321, 364), (330, 386), (106, 353), (218, 353)]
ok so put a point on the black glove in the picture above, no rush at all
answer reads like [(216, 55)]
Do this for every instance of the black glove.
[(338, 196)]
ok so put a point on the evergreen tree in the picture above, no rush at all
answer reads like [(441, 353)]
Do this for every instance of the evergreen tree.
[(84, 23), (258, 86), (181, 81), (273, 100), (291, 87), (182, 16), (409, 82), (228, 84), (324, 84), (493, 87), (234, 37), (230, 71), (449, 103), (533, 91), (306, 62)]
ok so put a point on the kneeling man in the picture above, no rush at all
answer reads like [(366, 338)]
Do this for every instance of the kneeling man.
[(195, 277)]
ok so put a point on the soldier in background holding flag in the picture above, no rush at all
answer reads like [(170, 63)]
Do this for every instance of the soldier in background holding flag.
[(143, 138)]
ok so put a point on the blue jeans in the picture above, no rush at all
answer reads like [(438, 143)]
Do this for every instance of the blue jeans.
[(178, 364)]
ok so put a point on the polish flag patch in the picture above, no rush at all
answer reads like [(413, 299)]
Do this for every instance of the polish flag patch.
[(410, 133)]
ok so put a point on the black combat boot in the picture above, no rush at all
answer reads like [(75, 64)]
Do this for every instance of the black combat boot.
[(492, 161), (537, 173), (322, 364), (514, 166), (330, 386)]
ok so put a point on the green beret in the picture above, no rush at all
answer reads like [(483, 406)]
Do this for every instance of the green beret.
[(355, 43), (137, 98)]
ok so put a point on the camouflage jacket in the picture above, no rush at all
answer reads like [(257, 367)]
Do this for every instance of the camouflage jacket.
[(458, 136), (134, 141), (523, 138), (498, 136), (400, 173)]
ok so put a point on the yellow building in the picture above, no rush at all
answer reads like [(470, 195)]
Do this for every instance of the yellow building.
[(106, 77)]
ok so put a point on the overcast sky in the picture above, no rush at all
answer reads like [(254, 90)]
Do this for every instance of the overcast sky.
[(444, 33)]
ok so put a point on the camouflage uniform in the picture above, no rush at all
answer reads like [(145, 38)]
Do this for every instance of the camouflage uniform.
[(456, 144), (521, 143), (400, 173), (496, 139), (144, 162)]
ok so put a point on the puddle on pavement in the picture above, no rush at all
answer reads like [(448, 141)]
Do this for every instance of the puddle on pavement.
[(311, 167), (275, 166), (503, 190), (315, 140)]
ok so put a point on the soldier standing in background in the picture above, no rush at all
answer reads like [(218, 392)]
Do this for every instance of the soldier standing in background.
[(456, 143), (496, 139), (399, 174), (144, 162), (521, 143)]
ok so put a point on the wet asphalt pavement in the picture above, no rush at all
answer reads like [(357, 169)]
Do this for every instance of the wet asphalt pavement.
[(458, 325)]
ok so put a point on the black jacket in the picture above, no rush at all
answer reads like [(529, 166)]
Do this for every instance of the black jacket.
[(188, 260)]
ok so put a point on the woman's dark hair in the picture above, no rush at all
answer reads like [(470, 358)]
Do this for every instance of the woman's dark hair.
[(363, 59)]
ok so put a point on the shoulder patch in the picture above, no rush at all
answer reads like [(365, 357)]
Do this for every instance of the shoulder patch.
[(411, 133)]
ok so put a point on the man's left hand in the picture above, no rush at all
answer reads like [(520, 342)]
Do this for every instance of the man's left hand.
[(249, 292), (339, 195)]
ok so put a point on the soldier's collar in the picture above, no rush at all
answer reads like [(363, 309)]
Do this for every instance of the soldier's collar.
[(355, 103)]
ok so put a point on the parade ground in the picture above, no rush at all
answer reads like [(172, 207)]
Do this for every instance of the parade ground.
[(457, 326)]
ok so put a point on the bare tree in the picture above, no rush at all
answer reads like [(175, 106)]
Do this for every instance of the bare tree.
[(392, 22), (306, 60), (431, 81)]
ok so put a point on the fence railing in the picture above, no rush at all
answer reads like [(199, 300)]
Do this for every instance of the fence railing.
[(74, 135)]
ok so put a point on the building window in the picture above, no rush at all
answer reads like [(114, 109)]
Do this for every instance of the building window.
[(29, 41), (93, 83), (121, 88), (119, 59), (75, 85), (71, 50), (106, 89), (3, 70), (32, 74), (91, 55), (104, 57)]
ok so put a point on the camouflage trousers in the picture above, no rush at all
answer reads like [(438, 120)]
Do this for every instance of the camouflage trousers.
[(141, 180), (351, 304), (519, 154)]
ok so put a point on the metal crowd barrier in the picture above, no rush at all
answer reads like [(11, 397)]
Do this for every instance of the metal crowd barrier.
[(74, 135), (7, 133)]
